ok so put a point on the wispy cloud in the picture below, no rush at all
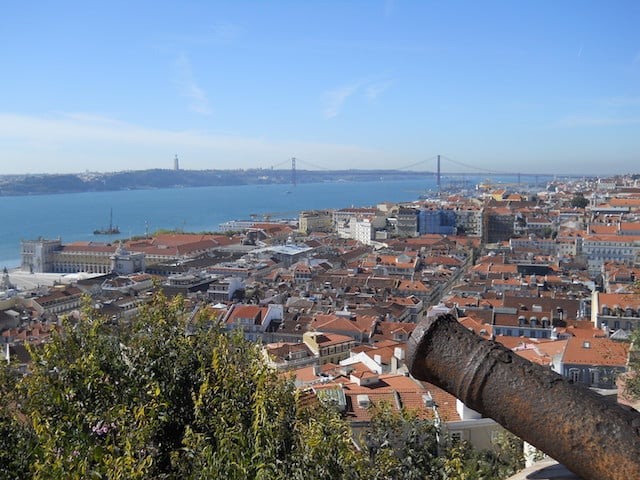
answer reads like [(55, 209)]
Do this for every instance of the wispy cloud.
[(580, 50), (334, 99), (189, 88), (575, 121), (636, 59), (374, 90)]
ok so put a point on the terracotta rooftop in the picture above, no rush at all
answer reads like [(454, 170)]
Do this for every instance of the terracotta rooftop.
[(253, 312), (596, 351), (398, 391)]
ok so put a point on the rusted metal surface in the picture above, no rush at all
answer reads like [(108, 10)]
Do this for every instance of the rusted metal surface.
[(592, 438)]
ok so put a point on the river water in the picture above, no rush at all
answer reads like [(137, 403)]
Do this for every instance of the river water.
[(74, 217)]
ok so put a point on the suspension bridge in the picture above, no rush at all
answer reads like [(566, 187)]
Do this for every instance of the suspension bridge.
[(432, 167)]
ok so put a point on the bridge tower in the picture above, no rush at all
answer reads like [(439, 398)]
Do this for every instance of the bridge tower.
[(293, 171), (438, 175)]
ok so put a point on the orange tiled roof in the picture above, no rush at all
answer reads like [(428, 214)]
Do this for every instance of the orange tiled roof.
[(254, 312), (328, 339), (596, 351), (621, 300), (483, 330), (397, 391)]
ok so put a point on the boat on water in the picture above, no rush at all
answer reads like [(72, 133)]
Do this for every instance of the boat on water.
[(111, 230)]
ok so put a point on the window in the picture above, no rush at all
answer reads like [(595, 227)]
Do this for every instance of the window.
[(574, 375), (594, 377), (456, 436)]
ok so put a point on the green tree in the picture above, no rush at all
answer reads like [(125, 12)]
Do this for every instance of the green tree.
[(462, 461), (579, 201), (171, 397), (17, 441), (162, 398), (632, 378), (323, 447), (400, 444)]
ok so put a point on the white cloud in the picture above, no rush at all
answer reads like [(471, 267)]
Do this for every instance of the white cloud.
[(77, 141), (334, 99), (189, 88)]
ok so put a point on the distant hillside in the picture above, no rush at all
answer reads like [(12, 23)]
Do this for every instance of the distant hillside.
[(37, 184)]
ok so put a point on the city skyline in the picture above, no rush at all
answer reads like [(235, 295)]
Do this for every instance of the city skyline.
[(542, 87)]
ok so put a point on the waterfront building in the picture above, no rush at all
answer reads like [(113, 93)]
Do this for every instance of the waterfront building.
[(51, 256), (236, 225), (86, 257), (37, 254)]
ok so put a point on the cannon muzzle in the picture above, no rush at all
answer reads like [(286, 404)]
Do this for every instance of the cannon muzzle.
[(594, 439)]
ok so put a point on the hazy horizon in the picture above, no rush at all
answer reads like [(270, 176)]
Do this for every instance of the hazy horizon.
[(550, 87), (285, 169)]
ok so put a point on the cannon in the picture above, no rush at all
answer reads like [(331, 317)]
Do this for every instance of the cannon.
[(594, 439)]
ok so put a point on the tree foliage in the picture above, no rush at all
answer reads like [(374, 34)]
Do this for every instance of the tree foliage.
[(401, 444), (632, 379), (172, 397), (579, 201)]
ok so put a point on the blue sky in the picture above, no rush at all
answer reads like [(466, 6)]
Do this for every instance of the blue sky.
[(532, 87)]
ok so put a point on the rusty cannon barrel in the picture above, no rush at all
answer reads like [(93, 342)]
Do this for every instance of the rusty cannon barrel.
[(594, 439)]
